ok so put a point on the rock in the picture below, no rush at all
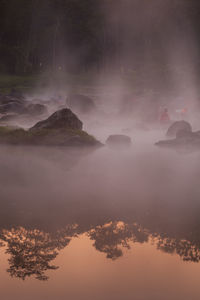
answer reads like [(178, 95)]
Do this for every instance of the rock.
[(8, 118), (63, 137), (184, 141), (11, 104), (12, 107), (178, 126), (15, 103), (63, 118), (118, 140), (62, 128), (36, 109), (6, 99), (80, 103)]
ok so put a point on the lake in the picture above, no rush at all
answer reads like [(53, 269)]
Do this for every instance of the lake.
[(102, 225)]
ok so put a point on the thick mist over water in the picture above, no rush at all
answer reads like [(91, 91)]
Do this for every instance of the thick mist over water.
[(44, 185), (156, 65), (97, 216)]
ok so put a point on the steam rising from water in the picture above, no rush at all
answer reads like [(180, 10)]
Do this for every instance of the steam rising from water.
[(38, 186), (157, 58)]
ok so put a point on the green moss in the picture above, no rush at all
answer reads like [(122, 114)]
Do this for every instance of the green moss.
[(13, 135), (46, 137), (5, 130), (83, 134)]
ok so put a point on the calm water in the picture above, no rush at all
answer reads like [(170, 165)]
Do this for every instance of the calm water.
[(105, 225)]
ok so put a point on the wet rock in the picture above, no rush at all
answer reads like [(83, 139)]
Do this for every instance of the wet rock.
[(184, 141), (62, 128), (16, 119), (118, 140), (36, 109), (63, 137), (16, 103), (8, 118), (63, 118), (80, 103), (177, 126), (12, 107), (11, 104), (6, 99)]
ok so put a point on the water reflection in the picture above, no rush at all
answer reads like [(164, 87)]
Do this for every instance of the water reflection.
[(32, 251), (110, 237), (186, 249)]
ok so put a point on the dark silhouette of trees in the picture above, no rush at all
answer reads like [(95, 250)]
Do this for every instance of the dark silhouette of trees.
[(76, 35), (186, 249), (109, 237), (31, 251)]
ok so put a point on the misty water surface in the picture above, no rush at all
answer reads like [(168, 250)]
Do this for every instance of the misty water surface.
[(68, 216)]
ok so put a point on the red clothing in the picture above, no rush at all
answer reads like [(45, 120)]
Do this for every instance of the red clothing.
[(164, 117)]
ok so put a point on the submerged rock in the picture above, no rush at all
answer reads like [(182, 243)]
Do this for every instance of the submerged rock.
[(178, 126), (118, 140), (12, 107), (16, 103), (36, 109), (6, 99), (80, 103), (63, 118)]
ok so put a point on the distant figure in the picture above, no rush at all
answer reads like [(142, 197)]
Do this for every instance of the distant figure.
[(164, 116)]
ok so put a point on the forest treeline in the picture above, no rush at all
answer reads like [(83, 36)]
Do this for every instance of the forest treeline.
[(79, 35)]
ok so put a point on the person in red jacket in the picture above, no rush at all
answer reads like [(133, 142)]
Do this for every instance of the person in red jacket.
[(164, 116)]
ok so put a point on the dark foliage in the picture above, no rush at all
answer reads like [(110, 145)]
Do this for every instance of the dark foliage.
[(74, 35)]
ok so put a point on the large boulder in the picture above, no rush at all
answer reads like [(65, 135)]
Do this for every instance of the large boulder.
[(63, 128), (11, 103), (16, 103), (12, 107), (118, 140), (185, 141), (178, 126), (61, 119), (5, 99), (35, 109), (80, 103)]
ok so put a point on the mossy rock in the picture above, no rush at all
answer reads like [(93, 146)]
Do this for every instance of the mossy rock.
[(10, 135), (46, 137), (62, 128)]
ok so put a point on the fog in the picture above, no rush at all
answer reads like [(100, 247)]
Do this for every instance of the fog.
[(60, 185), (159, 53), (112, 197)]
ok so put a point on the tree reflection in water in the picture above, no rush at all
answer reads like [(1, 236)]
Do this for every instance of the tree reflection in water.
[(109, 237), (187, 250), (32, 250)]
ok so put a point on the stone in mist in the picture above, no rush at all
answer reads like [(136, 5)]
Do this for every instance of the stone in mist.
[(80, 103), (15, 103), (62, 128), (118, 140), (185, 141), (178, 126), (63, 118)]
